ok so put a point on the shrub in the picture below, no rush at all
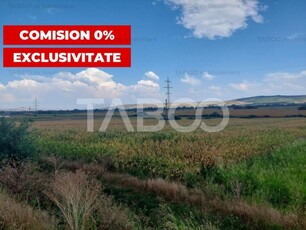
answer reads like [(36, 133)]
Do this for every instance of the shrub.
[(16, 215), (76, 195), (25, 180), (15, 141)]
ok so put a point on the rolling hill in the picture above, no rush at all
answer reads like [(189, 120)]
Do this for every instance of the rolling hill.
[(276, 99)]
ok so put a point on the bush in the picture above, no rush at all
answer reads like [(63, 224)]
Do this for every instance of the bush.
[(19, 215), (26, 181), (79, 197), (15, 141), (76, 195)]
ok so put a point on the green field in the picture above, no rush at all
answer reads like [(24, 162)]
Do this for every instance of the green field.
[(251, 175)]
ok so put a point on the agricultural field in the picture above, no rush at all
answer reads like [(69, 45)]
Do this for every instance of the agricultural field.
[(251, 175)]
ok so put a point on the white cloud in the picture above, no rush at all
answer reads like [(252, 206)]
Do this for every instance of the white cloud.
[(152, 75), (190, 80), (292, 83), (144, 89), (148, 83), (239, 86), (25, 83), (217, 18), (61, 90), (208, 76), (284, 76), (277, 83)]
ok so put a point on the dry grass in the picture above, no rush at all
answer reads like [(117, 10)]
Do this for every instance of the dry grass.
[(16, 215), (112, 217), (176, 192), (170, 190), (252, 213), (76, 195), (79, 197), (25, 180)]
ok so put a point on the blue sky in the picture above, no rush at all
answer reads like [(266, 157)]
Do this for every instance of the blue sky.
[(208, 48)]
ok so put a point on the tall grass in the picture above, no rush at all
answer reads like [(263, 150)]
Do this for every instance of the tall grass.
[(18, 215), (206, 199), (79, 197), (165, 154), (278, 178), (251, 172), (76, 195)]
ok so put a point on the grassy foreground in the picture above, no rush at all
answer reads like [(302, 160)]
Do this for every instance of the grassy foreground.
[(249, 176)]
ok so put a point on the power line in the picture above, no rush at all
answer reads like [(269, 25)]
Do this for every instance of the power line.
[(35, 105), (168, 87)]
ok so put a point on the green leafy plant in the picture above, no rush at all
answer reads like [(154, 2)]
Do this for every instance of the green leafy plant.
[(15, 140)]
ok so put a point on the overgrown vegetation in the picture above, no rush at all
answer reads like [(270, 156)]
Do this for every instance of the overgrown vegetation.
[(15, 141), (250, 176), (19, 215), (278, 177)]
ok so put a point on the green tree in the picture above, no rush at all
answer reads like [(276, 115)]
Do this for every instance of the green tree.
[(16, 143)]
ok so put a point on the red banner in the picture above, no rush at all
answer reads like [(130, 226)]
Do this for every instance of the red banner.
[(66, 57), (67, 35)]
